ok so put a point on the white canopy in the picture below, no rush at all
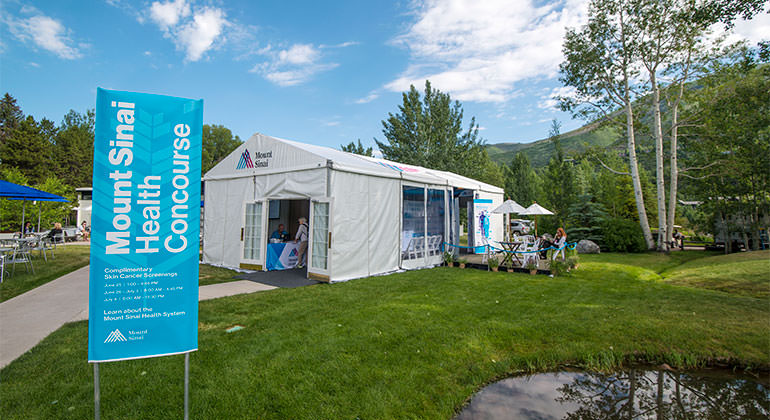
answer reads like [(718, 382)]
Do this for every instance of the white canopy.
[(509, 206), (536, 209), (280, 156)]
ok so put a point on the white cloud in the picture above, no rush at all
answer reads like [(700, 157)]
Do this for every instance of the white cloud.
[(193, 30), (479, 51), (299, 54), (292, 66), (167, 15), (754, 30), (198, 36), (45, 32), (368, 98), (550, 101)]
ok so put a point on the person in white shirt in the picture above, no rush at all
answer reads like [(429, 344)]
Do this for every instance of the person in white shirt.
[(301, 237)]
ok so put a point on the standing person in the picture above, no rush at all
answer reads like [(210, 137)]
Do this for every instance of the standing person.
[(301, 237)]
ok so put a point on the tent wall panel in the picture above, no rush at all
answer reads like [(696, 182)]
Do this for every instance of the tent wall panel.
[(349, 225), (292, 185), (224, 219), (384, 225)]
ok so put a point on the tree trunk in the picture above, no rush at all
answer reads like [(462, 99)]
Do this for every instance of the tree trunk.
[(660, 182), (632, 163), (674, 168)]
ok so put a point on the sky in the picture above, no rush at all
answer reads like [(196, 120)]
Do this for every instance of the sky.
[(319, 72)]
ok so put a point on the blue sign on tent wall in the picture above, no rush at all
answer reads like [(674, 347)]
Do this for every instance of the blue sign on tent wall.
[(143, 289)]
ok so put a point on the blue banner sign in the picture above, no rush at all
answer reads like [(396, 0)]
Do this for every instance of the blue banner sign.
[(145, 222)]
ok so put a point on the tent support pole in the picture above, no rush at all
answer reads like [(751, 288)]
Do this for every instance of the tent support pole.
[(23, 211)]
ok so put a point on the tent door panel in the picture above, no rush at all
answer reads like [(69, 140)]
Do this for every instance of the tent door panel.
[(253, 235), (319, 240)]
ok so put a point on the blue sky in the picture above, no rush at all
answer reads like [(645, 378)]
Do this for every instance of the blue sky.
[(320, 72)]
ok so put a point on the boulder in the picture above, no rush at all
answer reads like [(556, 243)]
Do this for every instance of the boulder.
[(587, 247)]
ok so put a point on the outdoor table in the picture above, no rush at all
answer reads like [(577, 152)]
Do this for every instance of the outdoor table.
[(510, 255), (282, 255)]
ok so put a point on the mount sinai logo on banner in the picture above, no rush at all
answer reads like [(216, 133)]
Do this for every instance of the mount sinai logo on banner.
[(260, 160), (114, 336)]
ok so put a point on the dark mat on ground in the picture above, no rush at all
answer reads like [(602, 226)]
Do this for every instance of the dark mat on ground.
[(296, 277)]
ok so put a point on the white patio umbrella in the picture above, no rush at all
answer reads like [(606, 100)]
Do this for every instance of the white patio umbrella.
[(536, 210), (508, 207)]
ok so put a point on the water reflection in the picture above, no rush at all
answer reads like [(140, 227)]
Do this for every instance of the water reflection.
[(625, 395)]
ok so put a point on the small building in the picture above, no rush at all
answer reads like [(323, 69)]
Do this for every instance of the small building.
[(83, 210), (366, 216)]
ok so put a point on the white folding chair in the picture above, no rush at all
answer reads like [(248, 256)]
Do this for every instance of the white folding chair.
[(21, 255), (419, 247)]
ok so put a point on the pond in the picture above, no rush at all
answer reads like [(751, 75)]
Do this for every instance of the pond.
[(633, 394)]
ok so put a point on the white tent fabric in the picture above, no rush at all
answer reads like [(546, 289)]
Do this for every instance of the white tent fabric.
[(509, 206), (536, 209), (365, 195)]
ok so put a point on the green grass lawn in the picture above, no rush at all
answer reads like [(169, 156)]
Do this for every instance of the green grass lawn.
[(208, 274), (742, 273), (410, 345), (68, 258)]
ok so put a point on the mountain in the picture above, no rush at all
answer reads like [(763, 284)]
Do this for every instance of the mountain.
[(573, 142)]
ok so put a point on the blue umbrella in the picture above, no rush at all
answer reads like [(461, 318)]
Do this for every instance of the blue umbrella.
[(13, 191)]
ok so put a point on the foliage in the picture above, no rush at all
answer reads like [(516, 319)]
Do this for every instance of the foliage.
[(29, 148), (218, 142), (573, 261), (558, 179), (358, 149), (51, 211), (10, 210), (622, 235), (73, 151), (558, 266), (493, 262), (531, 264), (522, 184), (585, 218), (427, 131)]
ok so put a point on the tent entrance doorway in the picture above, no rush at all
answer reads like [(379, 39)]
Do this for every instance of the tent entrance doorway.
[(261, 219)]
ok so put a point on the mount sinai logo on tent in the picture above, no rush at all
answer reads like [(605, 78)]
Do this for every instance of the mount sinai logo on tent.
[(260, 160), (245, 161), (114, 336)]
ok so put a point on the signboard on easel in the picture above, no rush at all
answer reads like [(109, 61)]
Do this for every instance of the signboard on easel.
[(143, 289)]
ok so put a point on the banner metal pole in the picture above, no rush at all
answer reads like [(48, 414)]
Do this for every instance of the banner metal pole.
[(186, 386), (97, 398)]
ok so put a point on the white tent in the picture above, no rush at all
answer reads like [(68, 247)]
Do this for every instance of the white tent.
[(367, 216)]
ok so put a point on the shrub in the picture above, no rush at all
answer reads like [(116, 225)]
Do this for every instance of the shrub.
[(493, 262), (622, 235), (558, 267)]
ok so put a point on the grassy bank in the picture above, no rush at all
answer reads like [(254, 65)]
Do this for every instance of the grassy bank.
[(408, 345), (68, 259), (742, 273)]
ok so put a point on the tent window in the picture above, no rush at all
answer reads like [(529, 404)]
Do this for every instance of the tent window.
[(320, 235), (413, 226), (435, 211), (252, 235)]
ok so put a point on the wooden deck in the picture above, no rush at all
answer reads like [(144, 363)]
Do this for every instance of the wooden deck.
[(475, 261)]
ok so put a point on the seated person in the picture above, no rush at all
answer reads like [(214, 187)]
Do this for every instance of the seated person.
[(55, 231), (280, 233), (83, 230)]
